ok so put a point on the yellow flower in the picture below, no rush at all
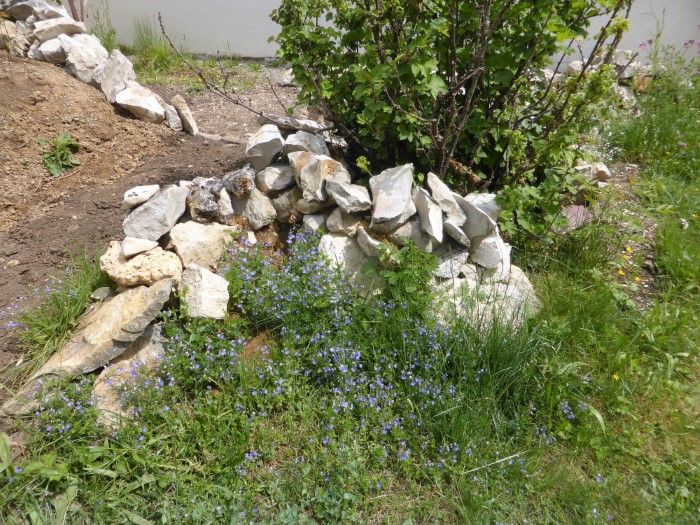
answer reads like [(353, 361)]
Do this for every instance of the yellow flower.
[(695, 215), (616, 376), (621, 272), (625, 257), (637, 278), (629, 249)]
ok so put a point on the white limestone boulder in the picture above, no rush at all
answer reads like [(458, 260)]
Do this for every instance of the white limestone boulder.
[(344, 252), (204, 293), (275, 178), (146, 268), (444, 198), (139, 195), (185, 114), (114, 75), (412, 230), (391, 194), (315, 174), (350, 197), (132, 246), (141, 102), (158, 215), (314, 222), (430, 214), (53, 27), (200, 244), (264, 145), (341, 222), (305, 141), (52, 51), (491, 252), (84, 54), (39, 9), (259, 210)]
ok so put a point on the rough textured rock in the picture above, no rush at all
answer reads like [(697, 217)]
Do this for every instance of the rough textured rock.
[(114, 75), (132, 246), (412, 230), (84, 53), (429, 212), (275, 178), (479, 224), (264, 145), (200, 244), (47, 29), (204, 292), (11, 40), (172, 118), (367, 243), (350, 197), (225, 206), (156, 217), (259, 210), (443, 196), (297, 161), (574, 68), (450, 263), (202, 204), (52, 51), (104, 333), (307, 207), (145, 268), (344, 252), (600, 172), (285, 206), (102, 294), (139, 195), (391, 192), (240, 182), (486, 202), (313, 177), (141, 102), (185, 114), (491, 252), (305, 141), (286, 123), (116, 380), (39, 9), (341, 222), (456, 232), (33, 53), (314, 222)]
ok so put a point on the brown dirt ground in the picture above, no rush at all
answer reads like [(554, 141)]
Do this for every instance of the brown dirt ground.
[(42, 218)]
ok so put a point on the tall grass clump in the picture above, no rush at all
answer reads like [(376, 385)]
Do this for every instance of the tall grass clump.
[(153, 56), (101, 25), (43, 329)]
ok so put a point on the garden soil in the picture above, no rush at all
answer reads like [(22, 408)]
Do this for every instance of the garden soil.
[(44, 218)]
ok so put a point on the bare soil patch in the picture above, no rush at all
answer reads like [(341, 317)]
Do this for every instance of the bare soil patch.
[(43, 218)]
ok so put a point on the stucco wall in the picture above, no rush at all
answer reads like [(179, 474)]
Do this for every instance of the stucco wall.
[(242, 27)]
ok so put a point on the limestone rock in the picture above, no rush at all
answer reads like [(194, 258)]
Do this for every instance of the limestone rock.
[(259, 211), (600, 172), (145, 268), (202, 205), (297, 161), (429, 212), (486, 202), (443, 196), (225, 206), (367, 243), (305, 141), (341, 222), (450, 263), (412, 230), (200, 244), (491, 252), (132, 246), (139, 195), (84, 54), (391, 192), (34, 53), (314, 222), (275, 178), (141, 102), (456, 233), (9, 38), (102, 334), (240, 182), (52, 51), (287, 78), (156, 217), (39, 9), (574, 68), (479, 224), (264, 145), (47, 29), (344, 252), (350, 197), (172, 118), (204, 292), (285, 206), (185, 114), (306, 207), (117, 379), (114, 75), (313, 177), (286, 123)]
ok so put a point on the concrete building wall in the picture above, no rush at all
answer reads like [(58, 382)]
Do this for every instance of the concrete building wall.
[(242, 27)]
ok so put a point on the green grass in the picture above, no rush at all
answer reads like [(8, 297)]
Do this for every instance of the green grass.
[(354, 409)]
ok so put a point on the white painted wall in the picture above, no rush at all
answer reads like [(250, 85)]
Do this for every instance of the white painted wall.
[(242, 27)]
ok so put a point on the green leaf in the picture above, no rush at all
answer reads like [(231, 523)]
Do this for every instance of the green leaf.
[(4, 452), (62, 504), (437, 86), (598, 416), (135, 518)]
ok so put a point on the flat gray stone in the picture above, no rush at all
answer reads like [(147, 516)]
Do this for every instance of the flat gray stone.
[(391, 193), (47, 29), (305, 141), (114, 75), (412, 230), (341, 222), (315, 174), (479, 224), (186, 117), (145, 268), (240, 183), (486, 202), (491, 252), (456, 233), (141, 102), (429, 212), (132, 246), (39, 9), (350, 197), (158, 215), (264, 145), (285, 206), (84, 54), (314, 222), (259, 210), (275, 178), (52, 51), (444, 198)]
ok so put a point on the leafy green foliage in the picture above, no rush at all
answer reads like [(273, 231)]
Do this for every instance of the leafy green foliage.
[(454, 88), (60, 158)]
